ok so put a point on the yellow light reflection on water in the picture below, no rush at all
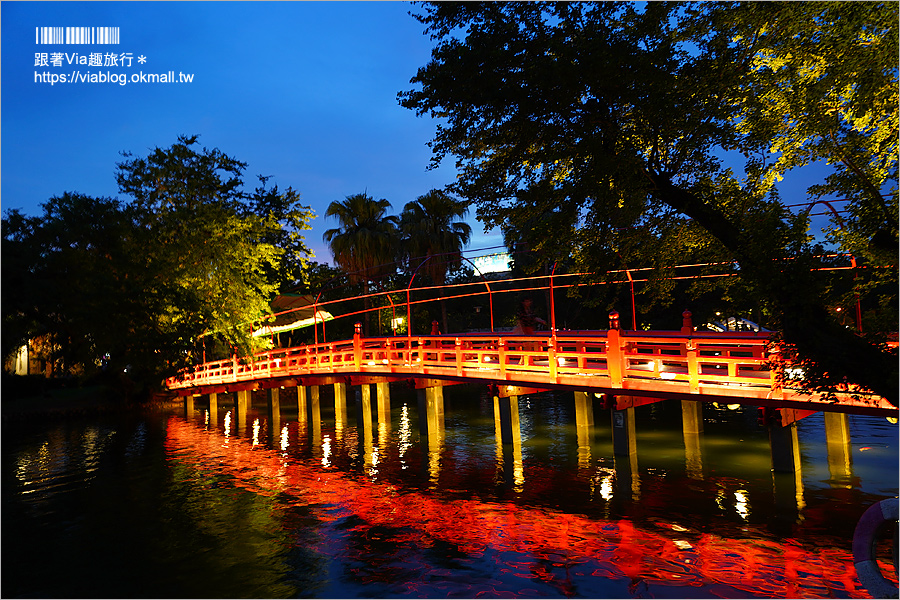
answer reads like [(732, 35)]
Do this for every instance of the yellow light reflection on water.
[(742, 504), (284, 438), (326, 450), (256, 432), (405, 435)]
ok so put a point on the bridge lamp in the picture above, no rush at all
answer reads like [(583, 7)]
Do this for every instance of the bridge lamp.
[(397, 323)]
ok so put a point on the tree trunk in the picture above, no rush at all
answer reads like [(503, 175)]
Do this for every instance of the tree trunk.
[(790, 285)]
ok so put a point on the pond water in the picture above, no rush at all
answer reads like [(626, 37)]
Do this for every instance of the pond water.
[(169, 505)]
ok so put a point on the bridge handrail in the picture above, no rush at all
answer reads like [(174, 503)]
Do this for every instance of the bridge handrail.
[(618, 355)]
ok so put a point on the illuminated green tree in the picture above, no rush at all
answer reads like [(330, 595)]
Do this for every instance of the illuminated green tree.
[(609, 134), (132, 286)]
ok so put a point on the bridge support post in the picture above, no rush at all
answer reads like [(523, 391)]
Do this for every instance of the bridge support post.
[(692, 427), (837, 437), (315, 420), (340, 406), (506, 419), (241, 406), (213, 411), (364, 422), (625, 448), (301, 404), (383, 393), (508, 434), (431, 426), (623, 431), (189, 406), (273, 404), (785, 447), (584, 426)]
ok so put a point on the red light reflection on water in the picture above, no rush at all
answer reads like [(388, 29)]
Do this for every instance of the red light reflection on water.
[(611, 549)]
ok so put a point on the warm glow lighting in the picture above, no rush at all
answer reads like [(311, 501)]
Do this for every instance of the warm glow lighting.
[(606, 487), (256, 432), (227, 426), (326, 451), (742, 505), (284, 438), (667, 375), (405, 434), (397, 323), (733, 407), (752, 567)]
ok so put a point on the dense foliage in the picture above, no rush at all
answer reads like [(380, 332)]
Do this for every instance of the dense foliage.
[(132, 286), (612, 134)]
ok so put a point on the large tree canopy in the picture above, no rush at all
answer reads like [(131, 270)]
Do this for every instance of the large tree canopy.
[(133, 285), (610, 133)]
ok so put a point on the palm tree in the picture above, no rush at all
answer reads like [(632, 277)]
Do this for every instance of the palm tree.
[(430, 232), (365, 243)]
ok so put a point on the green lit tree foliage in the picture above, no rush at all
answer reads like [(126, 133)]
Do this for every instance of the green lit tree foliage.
[(433, 239), (132, 286), (612, 134)]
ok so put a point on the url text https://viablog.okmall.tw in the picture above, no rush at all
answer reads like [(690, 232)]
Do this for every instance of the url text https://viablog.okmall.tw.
[(110, 77)]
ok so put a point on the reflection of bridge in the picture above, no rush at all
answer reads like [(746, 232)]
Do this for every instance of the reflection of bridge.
[(622, 369), (527, 540)]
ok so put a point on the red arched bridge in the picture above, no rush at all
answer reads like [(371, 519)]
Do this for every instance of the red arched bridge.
[(628, 368)]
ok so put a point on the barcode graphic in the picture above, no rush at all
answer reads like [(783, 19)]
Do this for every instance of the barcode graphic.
[(76, 35)]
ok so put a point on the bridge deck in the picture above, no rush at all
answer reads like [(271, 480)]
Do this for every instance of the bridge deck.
[(740, 367)]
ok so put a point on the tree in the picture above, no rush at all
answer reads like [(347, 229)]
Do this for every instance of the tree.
[(598, 132), (431, 237), (365, 243), (133, 286)]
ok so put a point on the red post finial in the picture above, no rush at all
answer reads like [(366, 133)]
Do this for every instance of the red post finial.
[(614, 319), (434, 328), (687, 324), (357, 329)]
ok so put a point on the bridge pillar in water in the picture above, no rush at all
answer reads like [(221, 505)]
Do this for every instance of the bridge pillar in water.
[(242, 403), (315, 420), (431, 426), (692, 427), (584, 426), (625, 446), (273, 406), (301, 404), (508, 433), (785, 447), (506, 420), (787, 477), (364, 422), (213, 410), (383, 393), (340, 406), (837, 438), (273, 402), (189, 406)]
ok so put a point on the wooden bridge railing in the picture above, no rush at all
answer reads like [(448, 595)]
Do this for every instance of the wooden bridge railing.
[(608, 359), (686, 363)]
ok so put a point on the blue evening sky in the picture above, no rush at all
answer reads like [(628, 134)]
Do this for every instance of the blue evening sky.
[(304, 92)]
